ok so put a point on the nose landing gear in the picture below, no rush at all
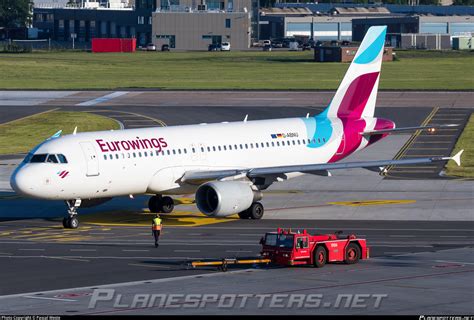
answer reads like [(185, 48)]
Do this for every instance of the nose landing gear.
[(71, 222)]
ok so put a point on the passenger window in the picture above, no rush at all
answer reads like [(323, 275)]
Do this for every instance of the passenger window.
[(134, 155), (278, 143), (185, 151), (116, 156), (219, 147), (105, 157), (110, 157), (251, 145), (225, 149), (246, 146), (179, 151), (145, 154), (241, 147), (262, 145), (273, 144), (168, 152), (235, 146), (294, 143), (324, 139), (140, 154), (194, 150), (268, 144), (214, 148), (174, 151), (299, 142), (202, 149), (230, 147)]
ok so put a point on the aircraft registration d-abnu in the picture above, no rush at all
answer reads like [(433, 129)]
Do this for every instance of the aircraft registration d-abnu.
[(226, 165)]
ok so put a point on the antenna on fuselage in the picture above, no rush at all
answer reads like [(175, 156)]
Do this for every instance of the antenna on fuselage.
[(307, 115), (75, 131), (246, 117)]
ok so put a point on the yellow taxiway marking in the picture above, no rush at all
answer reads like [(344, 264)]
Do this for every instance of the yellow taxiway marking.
[(370, 202), (140, 219)]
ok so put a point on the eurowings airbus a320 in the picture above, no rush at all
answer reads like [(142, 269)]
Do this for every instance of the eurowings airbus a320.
[(226, 165)]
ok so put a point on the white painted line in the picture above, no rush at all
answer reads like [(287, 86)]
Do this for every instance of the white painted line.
[(148, 266), (102, 99), (46, 298), (239, 251), (69, 259), (134, 283), (187, 250), (31, 249), (125, 250), (82, 250)]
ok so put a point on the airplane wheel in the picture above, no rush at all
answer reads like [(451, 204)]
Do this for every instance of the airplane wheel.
[(320, 257), (154, 204), (73, 222), (352, 254), (244, 214), (167, 205), (256, 211)]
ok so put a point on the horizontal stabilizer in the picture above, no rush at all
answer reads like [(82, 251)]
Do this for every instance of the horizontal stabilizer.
[(431, 128)]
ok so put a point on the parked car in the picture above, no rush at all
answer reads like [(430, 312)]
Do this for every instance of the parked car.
[(267, 47), (165, 47), (225, 46), (305, 46), (214, 47), (267, 43), (150, 47)]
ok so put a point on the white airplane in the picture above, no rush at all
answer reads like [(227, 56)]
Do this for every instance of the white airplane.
[(227, 165)]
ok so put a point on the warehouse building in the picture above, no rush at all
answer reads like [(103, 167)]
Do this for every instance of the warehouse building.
[(188, 26)]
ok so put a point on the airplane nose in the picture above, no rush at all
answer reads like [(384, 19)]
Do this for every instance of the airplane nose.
[(19, 182)]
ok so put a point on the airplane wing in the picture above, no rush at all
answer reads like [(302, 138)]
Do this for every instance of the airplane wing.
[(201, 176), (430, 128)]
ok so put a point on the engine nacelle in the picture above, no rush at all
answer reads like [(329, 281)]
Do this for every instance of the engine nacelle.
[(224, 198)]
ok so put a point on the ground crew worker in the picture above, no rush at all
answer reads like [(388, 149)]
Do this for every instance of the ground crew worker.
[(156, 228)]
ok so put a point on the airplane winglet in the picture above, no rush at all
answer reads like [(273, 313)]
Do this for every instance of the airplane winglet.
[(57, 134), (457, 157)]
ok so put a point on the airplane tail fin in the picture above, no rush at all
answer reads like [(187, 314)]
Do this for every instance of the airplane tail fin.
[(357, 93)]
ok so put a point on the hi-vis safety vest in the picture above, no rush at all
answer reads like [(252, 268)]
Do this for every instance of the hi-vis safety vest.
[(156, 224)]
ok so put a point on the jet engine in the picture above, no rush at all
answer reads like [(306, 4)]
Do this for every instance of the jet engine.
[(225, 198)]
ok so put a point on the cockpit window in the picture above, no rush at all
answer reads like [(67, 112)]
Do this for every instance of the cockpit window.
[(62, 158), (52, 158), (37, 158)]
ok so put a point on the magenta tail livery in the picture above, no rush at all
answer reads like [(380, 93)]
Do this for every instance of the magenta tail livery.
[(227, 165)]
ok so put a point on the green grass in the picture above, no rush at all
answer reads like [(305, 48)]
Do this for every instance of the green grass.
[(224, 70), (465, 141), (22, 135)]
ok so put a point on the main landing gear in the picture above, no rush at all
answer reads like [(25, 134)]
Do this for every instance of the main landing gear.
[(255, 212), (159, 204), (71, 222)]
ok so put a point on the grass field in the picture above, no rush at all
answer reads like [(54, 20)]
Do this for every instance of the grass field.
[(224, 70), (465, 142), (22, 135)]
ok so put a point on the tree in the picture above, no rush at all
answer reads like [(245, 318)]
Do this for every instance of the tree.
[(15, 13), (463, 2)]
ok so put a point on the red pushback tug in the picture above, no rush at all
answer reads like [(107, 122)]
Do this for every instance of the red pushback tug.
[(288, 248)]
